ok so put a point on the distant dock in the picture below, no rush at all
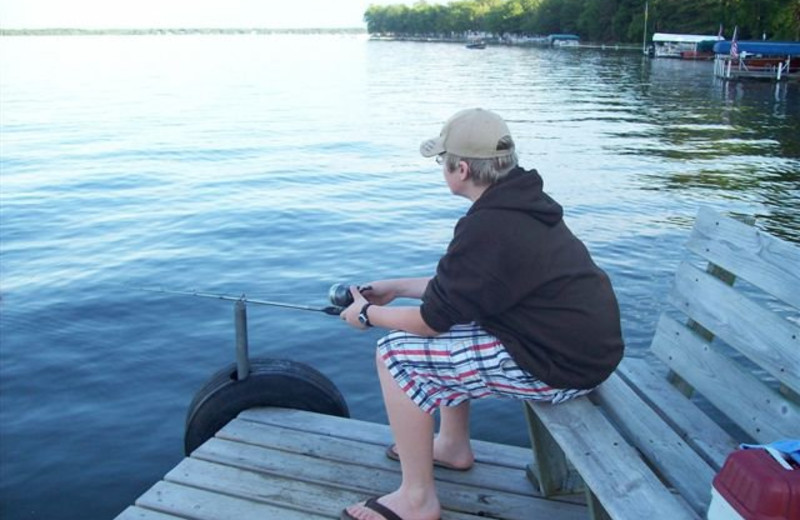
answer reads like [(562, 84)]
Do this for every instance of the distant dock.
[(757, 60)]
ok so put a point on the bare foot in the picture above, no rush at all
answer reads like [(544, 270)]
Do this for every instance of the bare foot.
[(459, 460), (458, 456)]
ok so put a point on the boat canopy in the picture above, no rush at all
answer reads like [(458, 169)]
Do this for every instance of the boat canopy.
[(683, 38), (765, 48)]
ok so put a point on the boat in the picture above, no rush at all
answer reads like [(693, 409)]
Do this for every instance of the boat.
[(477, 44), (563, 40), (704, 50), (757, 59), (667, 45)]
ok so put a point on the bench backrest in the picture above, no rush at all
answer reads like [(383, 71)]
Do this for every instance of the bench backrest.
[(740, 348)]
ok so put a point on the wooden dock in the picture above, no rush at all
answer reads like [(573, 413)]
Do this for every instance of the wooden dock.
[(290, 464)]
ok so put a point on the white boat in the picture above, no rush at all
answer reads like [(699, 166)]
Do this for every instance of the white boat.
[(668, 45), (563, 40)]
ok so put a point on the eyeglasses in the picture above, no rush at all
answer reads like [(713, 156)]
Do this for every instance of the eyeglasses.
[(440, 159)]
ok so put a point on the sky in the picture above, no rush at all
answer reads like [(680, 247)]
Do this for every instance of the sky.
[(106, 14)]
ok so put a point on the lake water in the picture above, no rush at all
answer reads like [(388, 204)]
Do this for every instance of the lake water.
[(277, 166)]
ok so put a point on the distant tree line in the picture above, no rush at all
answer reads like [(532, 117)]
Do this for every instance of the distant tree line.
[(592, 20)]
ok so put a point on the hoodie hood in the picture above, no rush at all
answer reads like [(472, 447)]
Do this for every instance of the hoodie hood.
[(521, 190)]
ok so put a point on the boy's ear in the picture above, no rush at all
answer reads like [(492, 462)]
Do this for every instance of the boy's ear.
[(463, 170)]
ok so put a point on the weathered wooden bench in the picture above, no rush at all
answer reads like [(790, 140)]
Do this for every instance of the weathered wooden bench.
[(647, 443)]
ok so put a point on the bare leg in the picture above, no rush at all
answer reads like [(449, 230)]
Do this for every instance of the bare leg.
[(452, 444), (413, 434)]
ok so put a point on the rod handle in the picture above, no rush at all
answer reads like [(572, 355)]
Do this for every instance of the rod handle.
[(332, 310)]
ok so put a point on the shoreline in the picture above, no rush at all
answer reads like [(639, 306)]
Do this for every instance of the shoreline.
[(509, 42)]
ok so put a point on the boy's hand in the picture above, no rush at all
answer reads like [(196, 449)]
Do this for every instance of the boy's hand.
[(379, 292), (350, 314)]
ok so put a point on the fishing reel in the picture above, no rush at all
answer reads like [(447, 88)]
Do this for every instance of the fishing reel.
[(339, 294)]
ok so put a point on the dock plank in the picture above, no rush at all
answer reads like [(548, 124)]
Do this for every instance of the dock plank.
[(137, 513), (201, 504), (348, 451), (379, 434), (276, 490), (269, 488), (369, 481), (283, 463)]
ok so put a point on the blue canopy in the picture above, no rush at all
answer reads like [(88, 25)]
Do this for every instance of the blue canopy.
[(765, 48)]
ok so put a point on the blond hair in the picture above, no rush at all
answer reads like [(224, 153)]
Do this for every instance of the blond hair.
[(485, 172)]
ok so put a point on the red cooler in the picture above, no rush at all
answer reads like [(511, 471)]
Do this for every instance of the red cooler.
[(753, 485)]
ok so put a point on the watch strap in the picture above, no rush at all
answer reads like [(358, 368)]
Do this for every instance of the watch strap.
[(363, 317)]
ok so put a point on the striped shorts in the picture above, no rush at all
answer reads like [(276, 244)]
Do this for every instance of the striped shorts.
[(464, 363)]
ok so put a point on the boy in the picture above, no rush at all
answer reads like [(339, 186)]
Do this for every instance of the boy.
[(517, 308)]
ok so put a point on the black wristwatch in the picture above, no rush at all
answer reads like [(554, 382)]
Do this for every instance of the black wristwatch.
[(363, 317)]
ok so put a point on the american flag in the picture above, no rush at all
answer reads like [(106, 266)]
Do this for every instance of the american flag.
[(735, 44)]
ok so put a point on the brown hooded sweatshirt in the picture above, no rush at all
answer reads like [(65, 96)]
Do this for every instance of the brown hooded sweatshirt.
[(515, 268)]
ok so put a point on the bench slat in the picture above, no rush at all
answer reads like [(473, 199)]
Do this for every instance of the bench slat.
[(765, 261), (757, 409), (662, 447), (610, 467), (767, 339), (708, 439)]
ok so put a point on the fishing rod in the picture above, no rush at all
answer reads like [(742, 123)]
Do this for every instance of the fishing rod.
[(339, 295)]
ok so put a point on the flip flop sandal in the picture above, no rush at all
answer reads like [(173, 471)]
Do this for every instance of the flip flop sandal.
[(376, 506)]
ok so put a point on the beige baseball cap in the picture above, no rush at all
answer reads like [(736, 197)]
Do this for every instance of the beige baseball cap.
[(472, 133)]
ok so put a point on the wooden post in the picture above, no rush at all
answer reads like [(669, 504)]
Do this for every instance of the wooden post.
[(242, 359), (596, 509), (550, 472)]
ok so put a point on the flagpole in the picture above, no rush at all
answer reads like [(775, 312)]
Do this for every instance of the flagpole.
[(734, 52), (644, 37)]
